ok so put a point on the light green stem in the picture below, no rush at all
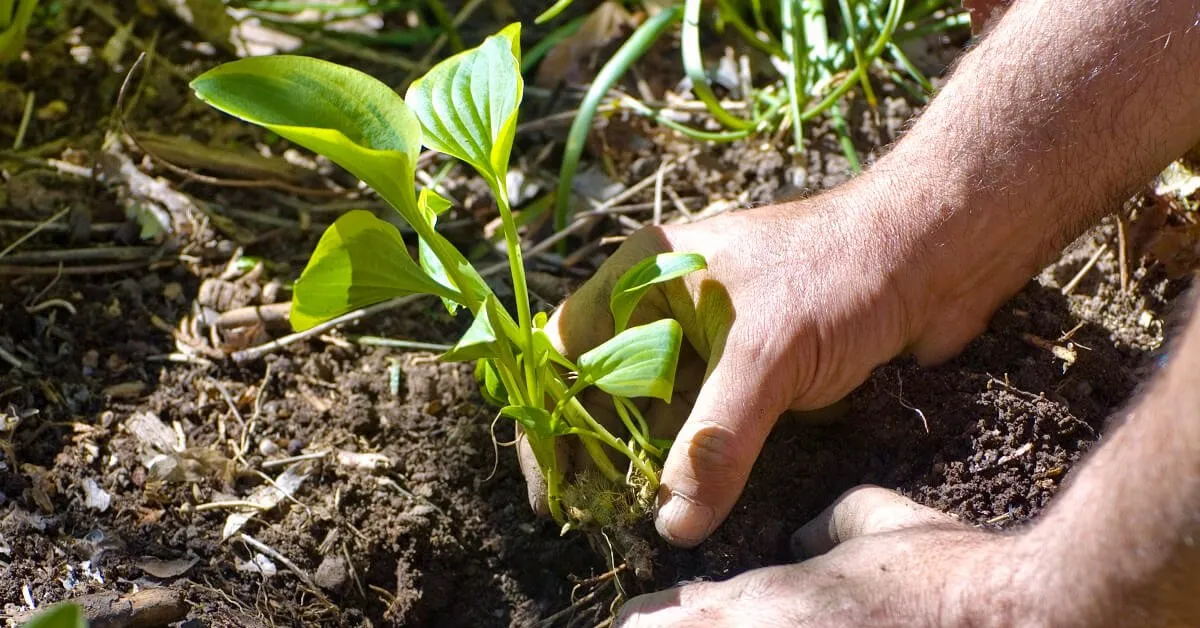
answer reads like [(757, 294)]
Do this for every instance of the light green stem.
[(516, 264)]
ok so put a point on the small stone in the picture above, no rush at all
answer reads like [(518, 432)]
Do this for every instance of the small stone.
[(267, 447), (331, 574)]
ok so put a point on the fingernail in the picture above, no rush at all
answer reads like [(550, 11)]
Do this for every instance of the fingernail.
[(682, 520)]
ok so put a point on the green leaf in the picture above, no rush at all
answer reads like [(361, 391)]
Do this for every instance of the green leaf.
[(547, 351), (537, 421), (14, 26), (432, 205), (638, 362), (491, 387), (632, 285), (64, 615), (543, 348), (479, 341), (359, 261), (339, 112), (468, 104)]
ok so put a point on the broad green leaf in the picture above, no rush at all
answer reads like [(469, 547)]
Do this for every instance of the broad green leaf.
[(491, 387), (632, 285), (13, 25), (468, 104), (359, 261), (479, 341), (638, 362), (66, 615), (339, 112), (537, 420)]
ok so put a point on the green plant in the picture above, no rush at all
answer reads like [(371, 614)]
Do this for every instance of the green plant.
[(465, 107), (15, 16), (65, 615)]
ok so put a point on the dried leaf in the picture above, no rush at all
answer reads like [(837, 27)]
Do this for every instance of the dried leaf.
[(191, 465), (570, 60), (163, 569), (188, 153), (151, 432), (41, 486), (95, 498), (260, 565), (266, 497)]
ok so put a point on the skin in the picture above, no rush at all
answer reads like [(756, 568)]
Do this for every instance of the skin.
[(1056, 117)]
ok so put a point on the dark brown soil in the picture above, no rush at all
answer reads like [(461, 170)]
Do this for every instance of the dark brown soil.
[(436, 530)]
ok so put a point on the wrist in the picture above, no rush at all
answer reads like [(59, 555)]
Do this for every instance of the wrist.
[(1001, 584), (964, 252)]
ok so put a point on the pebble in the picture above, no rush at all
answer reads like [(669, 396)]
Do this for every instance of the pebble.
[(267, 447)]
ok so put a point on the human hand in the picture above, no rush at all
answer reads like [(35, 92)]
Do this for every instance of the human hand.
[(881, 560), (799, 302)]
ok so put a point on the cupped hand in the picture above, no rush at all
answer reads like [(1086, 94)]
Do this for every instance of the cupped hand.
[(798, 303), (880, 560)]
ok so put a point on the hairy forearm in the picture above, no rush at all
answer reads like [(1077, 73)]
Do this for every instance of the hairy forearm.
[(1121, 546), (1056, 117)]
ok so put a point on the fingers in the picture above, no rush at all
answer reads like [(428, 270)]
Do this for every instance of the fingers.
[(669, 607), (712, 456), (861, 511)]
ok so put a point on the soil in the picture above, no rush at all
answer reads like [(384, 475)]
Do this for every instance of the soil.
[(401, 511)]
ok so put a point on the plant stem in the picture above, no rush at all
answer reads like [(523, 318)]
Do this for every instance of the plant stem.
[(731, 15), (578, 417), (516, 263), (895, 7), (638, 431), (642, 109), (693, 64), (795, 50), (852, 35)]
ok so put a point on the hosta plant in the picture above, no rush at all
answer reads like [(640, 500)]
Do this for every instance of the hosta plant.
[(465, 107)]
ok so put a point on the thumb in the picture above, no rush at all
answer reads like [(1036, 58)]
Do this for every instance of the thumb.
[(711, 459), (861, 511)]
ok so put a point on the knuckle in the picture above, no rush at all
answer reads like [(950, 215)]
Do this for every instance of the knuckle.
[(717, 454)]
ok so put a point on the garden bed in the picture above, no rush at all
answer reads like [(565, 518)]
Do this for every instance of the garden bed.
[(403, 512)]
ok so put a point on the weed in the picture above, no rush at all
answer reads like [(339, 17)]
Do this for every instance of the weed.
[(15, 16), (818, 62)]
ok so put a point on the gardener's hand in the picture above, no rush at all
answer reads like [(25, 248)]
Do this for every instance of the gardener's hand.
[(890, 562), (800, 301)]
